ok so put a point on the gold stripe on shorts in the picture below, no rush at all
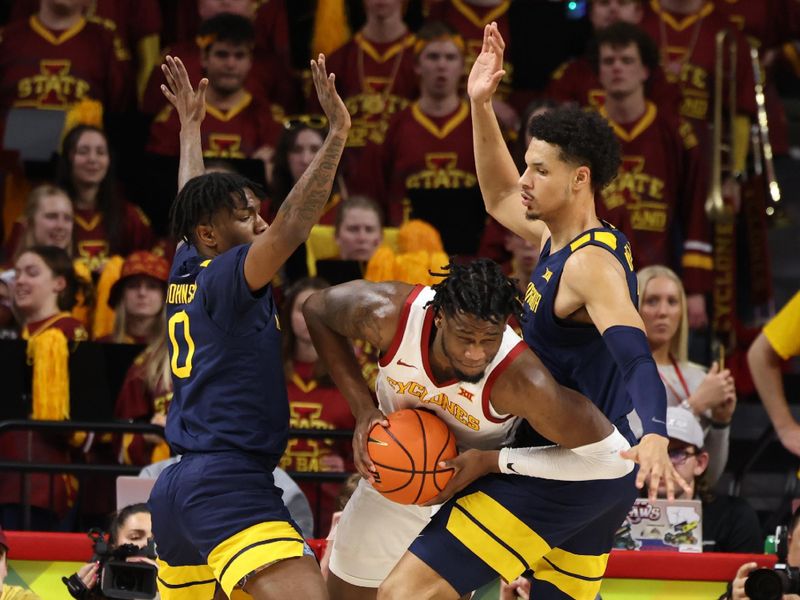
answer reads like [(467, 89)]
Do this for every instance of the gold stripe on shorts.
[(577, 575), (185, 582), (495, 535), (253, 548)]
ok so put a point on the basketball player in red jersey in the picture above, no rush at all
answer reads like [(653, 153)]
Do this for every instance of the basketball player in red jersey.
[(447, 349)]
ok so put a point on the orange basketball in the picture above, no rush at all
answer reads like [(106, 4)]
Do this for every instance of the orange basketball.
[(407, 454)]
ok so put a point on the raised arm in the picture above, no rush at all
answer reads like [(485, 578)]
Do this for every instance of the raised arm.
[(191, 108), (594, 280), (497, 174), (303, 206), (358, 310)]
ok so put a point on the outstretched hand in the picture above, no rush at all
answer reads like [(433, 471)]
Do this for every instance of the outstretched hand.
[(190, 104), (487, 72), (329, 98), (651, 455)]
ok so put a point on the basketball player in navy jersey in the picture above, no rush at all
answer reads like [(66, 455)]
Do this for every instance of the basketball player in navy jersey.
[(218, 518), (448, 349), (582, 322)]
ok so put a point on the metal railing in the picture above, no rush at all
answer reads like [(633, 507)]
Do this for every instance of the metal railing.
[(120, 427)]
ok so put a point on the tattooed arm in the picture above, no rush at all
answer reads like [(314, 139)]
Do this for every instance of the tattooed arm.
[(358, 310), (303, 206)]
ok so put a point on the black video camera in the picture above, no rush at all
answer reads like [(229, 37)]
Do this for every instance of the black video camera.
[(118, 578), (772, 584)]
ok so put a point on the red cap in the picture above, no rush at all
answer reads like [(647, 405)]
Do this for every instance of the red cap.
[(139, 263)]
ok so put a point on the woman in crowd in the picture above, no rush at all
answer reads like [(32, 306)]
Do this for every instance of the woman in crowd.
[(130, 525), (314, 403), (105, 224), (358, 229), (138, 299), (710, 396), (47, 221), (45, 291), (357, 233)]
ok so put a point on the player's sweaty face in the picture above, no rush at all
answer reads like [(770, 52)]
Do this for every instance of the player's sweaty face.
[(470, 344), (239, 226)]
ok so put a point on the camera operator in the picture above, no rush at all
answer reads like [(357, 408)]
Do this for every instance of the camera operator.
[(736, 588), (130, 525), (10, 592)]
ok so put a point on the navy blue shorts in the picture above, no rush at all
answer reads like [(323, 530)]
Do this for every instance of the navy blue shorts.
[(218, 517), (506, 525)]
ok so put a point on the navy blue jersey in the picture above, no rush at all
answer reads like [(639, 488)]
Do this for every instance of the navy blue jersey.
[(576, 353), (225, 353)]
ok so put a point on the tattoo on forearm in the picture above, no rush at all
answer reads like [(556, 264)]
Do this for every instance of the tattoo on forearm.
[(311, 192)]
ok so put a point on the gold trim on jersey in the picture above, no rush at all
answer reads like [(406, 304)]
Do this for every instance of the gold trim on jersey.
[(89, 225), (688, 21), (604, 237), (473, 17), (446, 129), (372, 51), (641, 125), (229, 114), (62, 37)]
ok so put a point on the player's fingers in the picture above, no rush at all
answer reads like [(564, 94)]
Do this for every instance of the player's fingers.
[(182, 73), (641, 477), (498, 37), (498, 77), (681, 481), (169, 95), (201, 90), (169, 75), (669, 484)]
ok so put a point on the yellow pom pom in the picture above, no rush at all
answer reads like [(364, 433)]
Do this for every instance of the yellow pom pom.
[(103, 322), (381, 266), (419, 235), (85, 112), (48, 353)]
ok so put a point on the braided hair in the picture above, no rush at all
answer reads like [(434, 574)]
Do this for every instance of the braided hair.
[(480, 289), (205, 195)]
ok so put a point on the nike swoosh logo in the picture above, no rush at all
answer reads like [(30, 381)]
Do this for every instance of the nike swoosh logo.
[(510, 467), (374, 441), (404, 364)]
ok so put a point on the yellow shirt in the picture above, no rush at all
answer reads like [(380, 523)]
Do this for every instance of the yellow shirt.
[(783, 331), (13, 592)]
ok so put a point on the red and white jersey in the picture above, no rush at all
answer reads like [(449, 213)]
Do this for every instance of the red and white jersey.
[(406, 380)]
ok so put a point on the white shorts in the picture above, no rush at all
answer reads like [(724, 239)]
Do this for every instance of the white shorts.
[(372, 535)]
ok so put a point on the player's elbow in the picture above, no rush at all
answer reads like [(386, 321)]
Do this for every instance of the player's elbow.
[(312, 307)]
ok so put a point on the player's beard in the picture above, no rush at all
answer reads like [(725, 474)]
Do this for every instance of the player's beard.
[(460, 375)]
